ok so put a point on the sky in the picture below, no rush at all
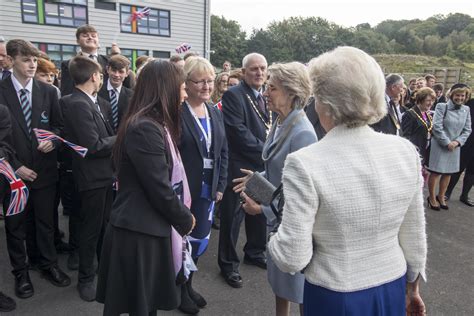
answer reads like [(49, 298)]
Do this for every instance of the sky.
[(257, 14)]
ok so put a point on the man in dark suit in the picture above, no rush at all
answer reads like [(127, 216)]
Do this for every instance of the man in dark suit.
[(113, 90), (5, 66), (86, 124), (88, 39), (247, 123), (391, 123), (32, 104)]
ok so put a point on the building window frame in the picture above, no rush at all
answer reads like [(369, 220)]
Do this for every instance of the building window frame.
[(42, 16), (161, 54), (161, 15), (105, 5), (42, 46)]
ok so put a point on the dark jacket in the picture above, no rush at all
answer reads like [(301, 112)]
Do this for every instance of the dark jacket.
[(313, 117), (467, 150), (193, 154), (245, 129), (415, 131), (124, 97), (45, 115), (6, 150), (146, 201), (87, 127)]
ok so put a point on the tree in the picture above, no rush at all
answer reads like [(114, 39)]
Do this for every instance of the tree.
[(454, 22), (227, 41)]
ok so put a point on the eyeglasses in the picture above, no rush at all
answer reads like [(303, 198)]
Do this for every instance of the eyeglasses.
[(201, 83)]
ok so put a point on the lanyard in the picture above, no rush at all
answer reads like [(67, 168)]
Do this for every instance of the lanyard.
[(207, 135)]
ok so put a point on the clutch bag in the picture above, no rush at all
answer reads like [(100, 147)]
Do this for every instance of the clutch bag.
[(259, 189)]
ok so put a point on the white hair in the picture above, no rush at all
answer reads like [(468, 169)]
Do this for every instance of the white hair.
[(249, 57), (350, 84)]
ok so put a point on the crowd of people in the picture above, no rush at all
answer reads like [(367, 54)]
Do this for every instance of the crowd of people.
[(172, 148)]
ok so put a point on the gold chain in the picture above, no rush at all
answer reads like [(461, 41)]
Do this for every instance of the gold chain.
[(268, 126), (424, 122)]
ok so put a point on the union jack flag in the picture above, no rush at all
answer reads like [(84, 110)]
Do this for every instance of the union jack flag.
[(19, 191), (182, 48), (138, 15), (44, 135), (218, 105)]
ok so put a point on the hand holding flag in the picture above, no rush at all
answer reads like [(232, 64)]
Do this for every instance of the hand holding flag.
[(44, 135), (19, 191)]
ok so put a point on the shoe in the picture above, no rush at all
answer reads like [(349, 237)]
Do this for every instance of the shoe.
[(187, 306), (73, 261), (431, 206), (233, 279), (443, 206), (466, 201), (86, 291), (195, 296), (56, 276), (260, 262), (23, 285), (63, 247), (7, 304)]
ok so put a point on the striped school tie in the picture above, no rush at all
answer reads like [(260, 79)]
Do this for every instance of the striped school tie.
[(26, 107), (114, 104)]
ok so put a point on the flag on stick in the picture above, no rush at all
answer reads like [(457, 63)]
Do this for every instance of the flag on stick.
[(182, 48), (138, 15), (44, 135)]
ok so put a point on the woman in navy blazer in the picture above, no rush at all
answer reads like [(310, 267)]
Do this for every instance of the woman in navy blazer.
[(203, 148)]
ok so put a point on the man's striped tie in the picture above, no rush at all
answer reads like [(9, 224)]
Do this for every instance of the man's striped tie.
[(26, 108), (114, 104)]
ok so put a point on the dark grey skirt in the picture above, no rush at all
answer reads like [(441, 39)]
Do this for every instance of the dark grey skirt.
[(136, 273)]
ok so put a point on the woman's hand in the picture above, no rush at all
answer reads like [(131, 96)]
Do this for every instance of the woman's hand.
[(240, 182), (414, 305), (219, 196), (250, 206), (452, 145)]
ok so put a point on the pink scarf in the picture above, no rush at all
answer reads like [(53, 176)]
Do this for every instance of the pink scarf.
[(181, 187)]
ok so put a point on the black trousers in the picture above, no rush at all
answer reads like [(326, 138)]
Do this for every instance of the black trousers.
[(35, 226), (468, 181), (94, 216), (232, 216)]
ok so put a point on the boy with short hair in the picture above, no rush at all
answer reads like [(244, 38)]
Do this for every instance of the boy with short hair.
[(113, 90), (86, 125), (32, 104)]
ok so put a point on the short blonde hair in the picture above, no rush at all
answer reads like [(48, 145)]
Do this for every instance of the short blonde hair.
[(294, 79), (200, 65), (350, 84)]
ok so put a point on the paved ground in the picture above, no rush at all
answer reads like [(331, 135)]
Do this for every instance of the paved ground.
[(449, 291)]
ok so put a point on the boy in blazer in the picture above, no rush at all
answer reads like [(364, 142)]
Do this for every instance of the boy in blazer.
[(87, 125), (88, 39), (32, 104), (114, 91)]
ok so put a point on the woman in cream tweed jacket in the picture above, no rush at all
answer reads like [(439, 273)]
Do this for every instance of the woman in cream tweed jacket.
[(353, 215)]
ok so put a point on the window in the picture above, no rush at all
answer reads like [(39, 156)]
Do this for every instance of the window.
[(131, 54), (70, 13), (161, 54), (105, 5), (156, 23), (58, 52)]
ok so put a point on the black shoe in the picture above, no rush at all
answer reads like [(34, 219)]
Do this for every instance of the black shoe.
[(233, 279), (7, 304), (431, 206), (195, 296), (466, 201), (86, 291), (441, 205), (187, 306), (63, 247), (73, 261), (56, 276), (23, 285), (260, 262)]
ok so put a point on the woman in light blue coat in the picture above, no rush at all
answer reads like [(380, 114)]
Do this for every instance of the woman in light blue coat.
[(451, 128), (287, 92)]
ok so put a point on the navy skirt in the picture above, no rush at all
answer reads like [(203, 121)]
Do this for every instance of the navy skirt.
[(386, 299)]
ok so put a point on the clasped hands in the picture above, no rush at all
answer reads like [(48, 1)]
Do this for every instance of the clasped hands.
[(452, 145), (250, 206)]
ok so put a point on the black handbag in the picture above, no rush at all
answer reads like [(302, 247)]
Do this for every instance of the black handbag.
[(278, 209)]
